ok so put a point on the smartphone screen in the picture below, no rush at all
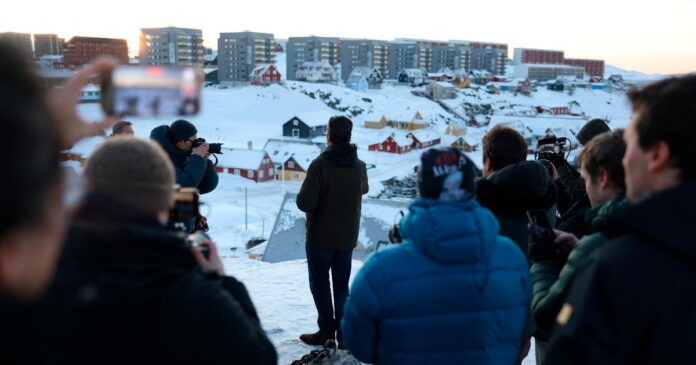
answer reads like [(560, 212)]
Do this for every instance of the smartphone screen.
[(152, 91)]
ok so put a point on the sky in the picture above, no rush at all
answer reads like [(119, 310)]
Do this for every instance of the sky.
[(645, 36)]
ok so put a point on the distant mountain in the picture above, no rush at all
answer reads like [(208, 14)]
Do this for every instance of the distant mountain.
[(630, 75)]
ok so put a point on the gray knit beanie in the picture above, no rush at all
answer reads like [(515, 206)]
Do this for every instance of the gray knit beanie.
[(134, 171)]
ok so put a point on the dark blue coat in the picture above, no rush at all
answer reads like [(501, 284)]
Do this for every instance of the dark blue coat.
[(455, 292), (192, 171)]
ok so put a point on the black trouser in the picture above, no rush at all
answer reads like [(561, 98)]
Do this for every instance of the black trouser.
[(319, 262)]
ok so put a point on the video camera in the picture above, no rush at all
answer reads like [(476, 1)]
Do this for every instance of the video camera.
[(212, 147), (187, 208), (553, 149)]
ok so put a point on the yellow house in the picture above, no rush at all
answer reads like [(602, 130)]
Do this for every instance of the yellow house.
[(376, 125), (460, 82)]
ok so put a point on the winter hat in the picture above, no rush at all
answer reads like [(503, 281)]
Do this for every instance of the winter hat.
[(446, 174), (133, 171), (180, 130), (591, 129)]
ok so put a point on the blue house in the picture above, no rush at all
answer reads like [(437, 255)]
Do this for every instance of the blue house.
[(362, 78)]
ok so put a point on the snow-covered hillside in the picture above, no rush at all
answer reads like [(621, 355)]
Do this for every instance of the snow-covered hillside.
[(254, 114), (631, 75)]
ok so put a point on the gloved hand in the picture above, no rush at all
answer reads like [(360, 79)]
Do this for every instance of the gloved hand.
[(394, 234), (542, 246)]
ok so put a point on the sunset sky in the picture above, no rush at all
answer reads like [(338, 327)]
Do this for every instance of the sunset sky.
[(646, 36)]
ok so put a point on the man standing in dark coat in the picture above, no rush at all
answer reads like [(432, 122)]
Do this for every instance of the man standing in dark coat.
[(633, 303), (331, 195), (129, 291)]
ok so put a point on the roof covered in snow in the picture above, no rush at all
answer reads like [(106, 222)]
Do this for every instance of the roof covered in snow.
[(261, 69), (280, 150), (425, 135), (241, 159), (315, 119)]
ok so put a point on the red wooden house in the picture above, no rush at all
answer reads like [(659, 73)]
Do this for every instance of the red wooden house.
[(423, 139), (250, 164), (264, 74), (560, 110), (393, 144)]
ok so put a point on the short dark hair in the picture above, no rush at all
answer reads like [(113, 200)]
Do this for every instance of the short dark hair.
[(668, 113), (25, 118), (340, 129), (503, 146), (119, 126), (604, 152)]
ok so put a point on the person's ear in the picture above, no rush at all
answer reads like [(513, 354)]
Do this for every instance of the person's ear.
[(9, 250), (604, 180), (659, 157)]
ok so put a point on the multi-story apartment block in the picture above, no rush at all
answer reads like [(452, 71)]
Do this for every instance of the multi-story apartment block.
[(48, 45), (241, 52), (486, 56), (364, 53), (408, 55), (594, 68), (82, 50), (452, 57), (310, 49), (171, 46), (20, 41), (544, 72), (538, 56)]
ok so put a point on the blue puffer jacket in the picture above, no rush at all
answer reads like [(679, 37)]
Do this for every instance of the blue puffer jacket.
[(192, 171), (455, 292)]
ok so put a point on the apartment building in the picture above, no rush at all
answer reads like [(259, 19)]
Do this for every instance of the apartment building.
[(48, 45), (364, 53), (300, 50), (538, 56), (21, 41), (82, 50), (239, 53), (408, 55), (594, 68), (171, 46)]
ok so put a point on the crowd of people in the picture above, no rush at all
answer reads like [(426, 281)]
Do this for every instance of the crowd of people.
[(604, 275)]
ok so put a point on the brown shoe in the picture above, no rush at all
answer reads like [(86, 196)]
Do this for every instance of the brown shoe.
[(314, 339)]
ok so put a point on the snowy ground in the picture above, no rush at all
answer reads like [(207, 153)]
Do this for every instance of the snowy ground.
[(236, 116)]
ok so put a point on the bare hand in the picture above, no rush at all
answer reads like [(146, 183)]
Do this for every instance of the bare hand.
[(213, 263), (202, 150), (566, 241), (63, 103)]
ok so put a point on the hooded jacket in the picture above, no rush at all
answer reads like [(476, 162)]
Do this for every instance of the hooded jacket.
[(129, 291), (633, 302), (454, 292), (192, 171), (331, 195), (552, 281), (513, 190)]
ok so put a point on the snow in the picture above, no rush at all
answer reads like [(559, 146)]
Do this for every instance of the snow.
[(240, 209), (241, 159), (315, 119)]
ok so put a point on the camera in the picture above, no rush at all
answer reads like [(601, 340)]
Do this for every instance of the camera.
[(552, 149), (212, 147), (195, 239)]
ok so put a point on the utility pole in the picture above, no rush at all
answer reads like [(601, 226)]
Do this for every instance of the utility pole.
[(246, 220)]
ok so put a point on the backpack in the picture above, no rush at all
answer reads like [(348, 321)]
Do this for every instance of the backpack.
[(329, 355)]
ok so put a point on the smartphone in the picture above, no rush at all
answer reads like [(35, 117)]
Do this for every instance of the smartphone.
[(539, 222), (152, 91)]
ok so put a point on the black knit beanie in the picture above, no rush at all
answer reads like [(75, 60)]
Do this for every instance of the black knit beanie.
[(591, 129), (180, 130)]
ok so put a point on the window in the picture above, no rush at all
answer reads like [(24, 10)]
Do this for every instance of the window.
[(236, 171), (291, 164), (295, 132), (270, 172), (295, 176), (260, 174), (250, 174), (295, 122)]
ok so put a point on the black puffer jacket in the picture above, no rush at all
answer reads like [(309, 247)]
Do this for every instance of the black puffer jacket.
[(634, 302), (129, 291), (513, 190)]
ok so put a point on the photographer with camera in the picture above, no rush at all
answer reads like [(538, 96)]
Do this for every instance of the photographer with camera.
[(128, 290), (557, 259), (189, 154)]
